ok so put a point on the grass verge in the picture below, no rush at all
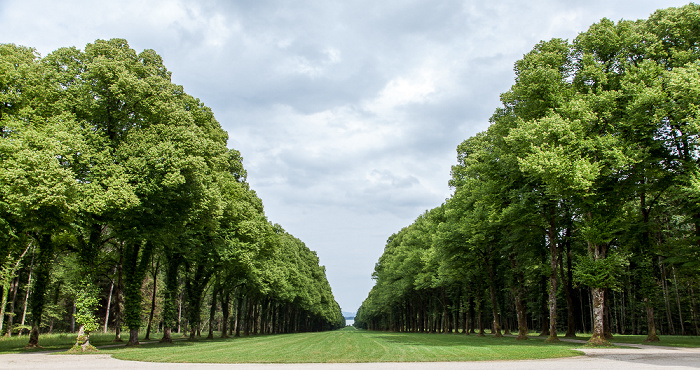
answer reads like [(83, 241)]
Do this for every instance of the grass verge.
[(51, 342), (666, 340)]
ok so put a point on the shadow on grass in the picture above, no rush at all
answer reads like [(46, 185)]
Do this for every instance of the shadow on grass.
[(461, 340)]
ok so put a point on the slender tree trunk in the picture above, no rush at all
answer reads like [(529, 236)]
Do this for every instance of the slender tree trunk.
[(567, 281), (179, 313), (520, 310), (239, 316), (45, 259), (226, 312), (465, 319), (7, 280), (664, 285), (482, 332), (695, 309), (119, 295), (543, 308), (553, 265), (109, 304), (678, 300), (11, 319), (153, 301), (212, 313), (606, 315), (26, 297), (494, 303), (472, 316)]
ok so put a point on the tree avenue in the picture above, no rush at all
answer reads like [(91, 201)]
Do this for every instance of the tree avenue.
[(122, 207), (577, 210)]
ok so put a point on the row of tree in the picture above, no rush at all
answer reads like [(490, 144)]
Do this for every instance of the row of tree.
[(110, 176), (581, 200)]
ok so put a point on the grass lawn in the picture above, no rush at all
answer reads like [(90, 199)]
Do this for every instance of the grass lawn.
[(666, 340), (347, 345), (50, 342)]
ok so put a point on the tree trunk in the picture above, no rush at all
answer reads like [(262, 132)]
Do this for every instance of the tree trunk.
[(606, 315), (119, 297), (10, 320), (651, 333), (153, 301), (26, 297), (678, 300), (133, 337), (212, 313), (226, 312), (553, 265), (695, 309), (664, 285), (543, 309), (109, 305), (8, 280), (239, 318), (567, 281), (598, 337), (41, 282), (494, 303)]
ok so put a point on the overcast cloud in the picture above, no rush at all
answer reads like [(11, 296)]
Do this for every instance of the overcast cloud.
[(347, 113)]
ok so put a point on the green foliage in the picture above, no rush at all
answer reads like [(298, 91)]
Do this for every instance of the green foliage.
[(590, 163), (603, 273), (103, 159), (86, 302)]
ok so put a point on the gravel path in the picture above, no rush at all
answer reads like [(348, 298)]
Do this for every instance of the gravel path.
[(637, 357)]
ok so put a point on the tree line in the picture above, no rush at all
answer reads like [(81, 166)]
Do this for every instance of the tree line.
[(578, 209), (120, 201)]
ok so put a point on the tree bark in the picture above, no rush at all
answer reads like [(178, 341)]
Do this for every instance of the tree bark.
[(109, 305), (567, 281), (212, 313), (133, 337), (226, 312), (598, 294), (651, 333), (494, 304), (553, 264), (153, 300), (44, 260), (520, 310), (119, 297), (598, 337), (678, 300)]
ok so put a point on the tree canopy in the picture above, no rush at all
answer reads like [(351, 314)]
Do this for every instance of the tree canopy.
[(112, 179), (578, 201)]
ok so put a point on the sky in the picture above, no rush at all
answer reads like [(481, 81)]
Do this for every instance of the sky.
[(347, 113)]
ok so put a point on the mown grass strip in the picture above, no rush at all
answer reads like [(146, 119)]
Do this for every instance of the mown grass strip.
[(347, 346)]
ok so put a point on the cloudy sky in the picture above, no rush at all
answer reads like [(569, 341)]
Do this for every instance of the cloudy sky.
[(347, 113)]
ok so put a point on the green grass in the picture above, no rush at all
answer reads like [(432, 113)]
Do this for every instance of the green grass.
[(347, 345), (52, 342), (666, 340)]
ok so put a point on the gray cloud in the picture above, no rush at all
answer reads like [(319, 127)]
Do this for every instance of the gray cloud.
[(347, 113)]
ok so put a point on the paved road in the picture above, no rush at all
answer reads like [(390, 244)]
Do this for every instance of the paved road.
[(643, 357)]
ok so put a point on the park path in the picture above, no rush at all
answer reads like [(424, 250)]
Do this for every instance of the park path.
[(627, 358)]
